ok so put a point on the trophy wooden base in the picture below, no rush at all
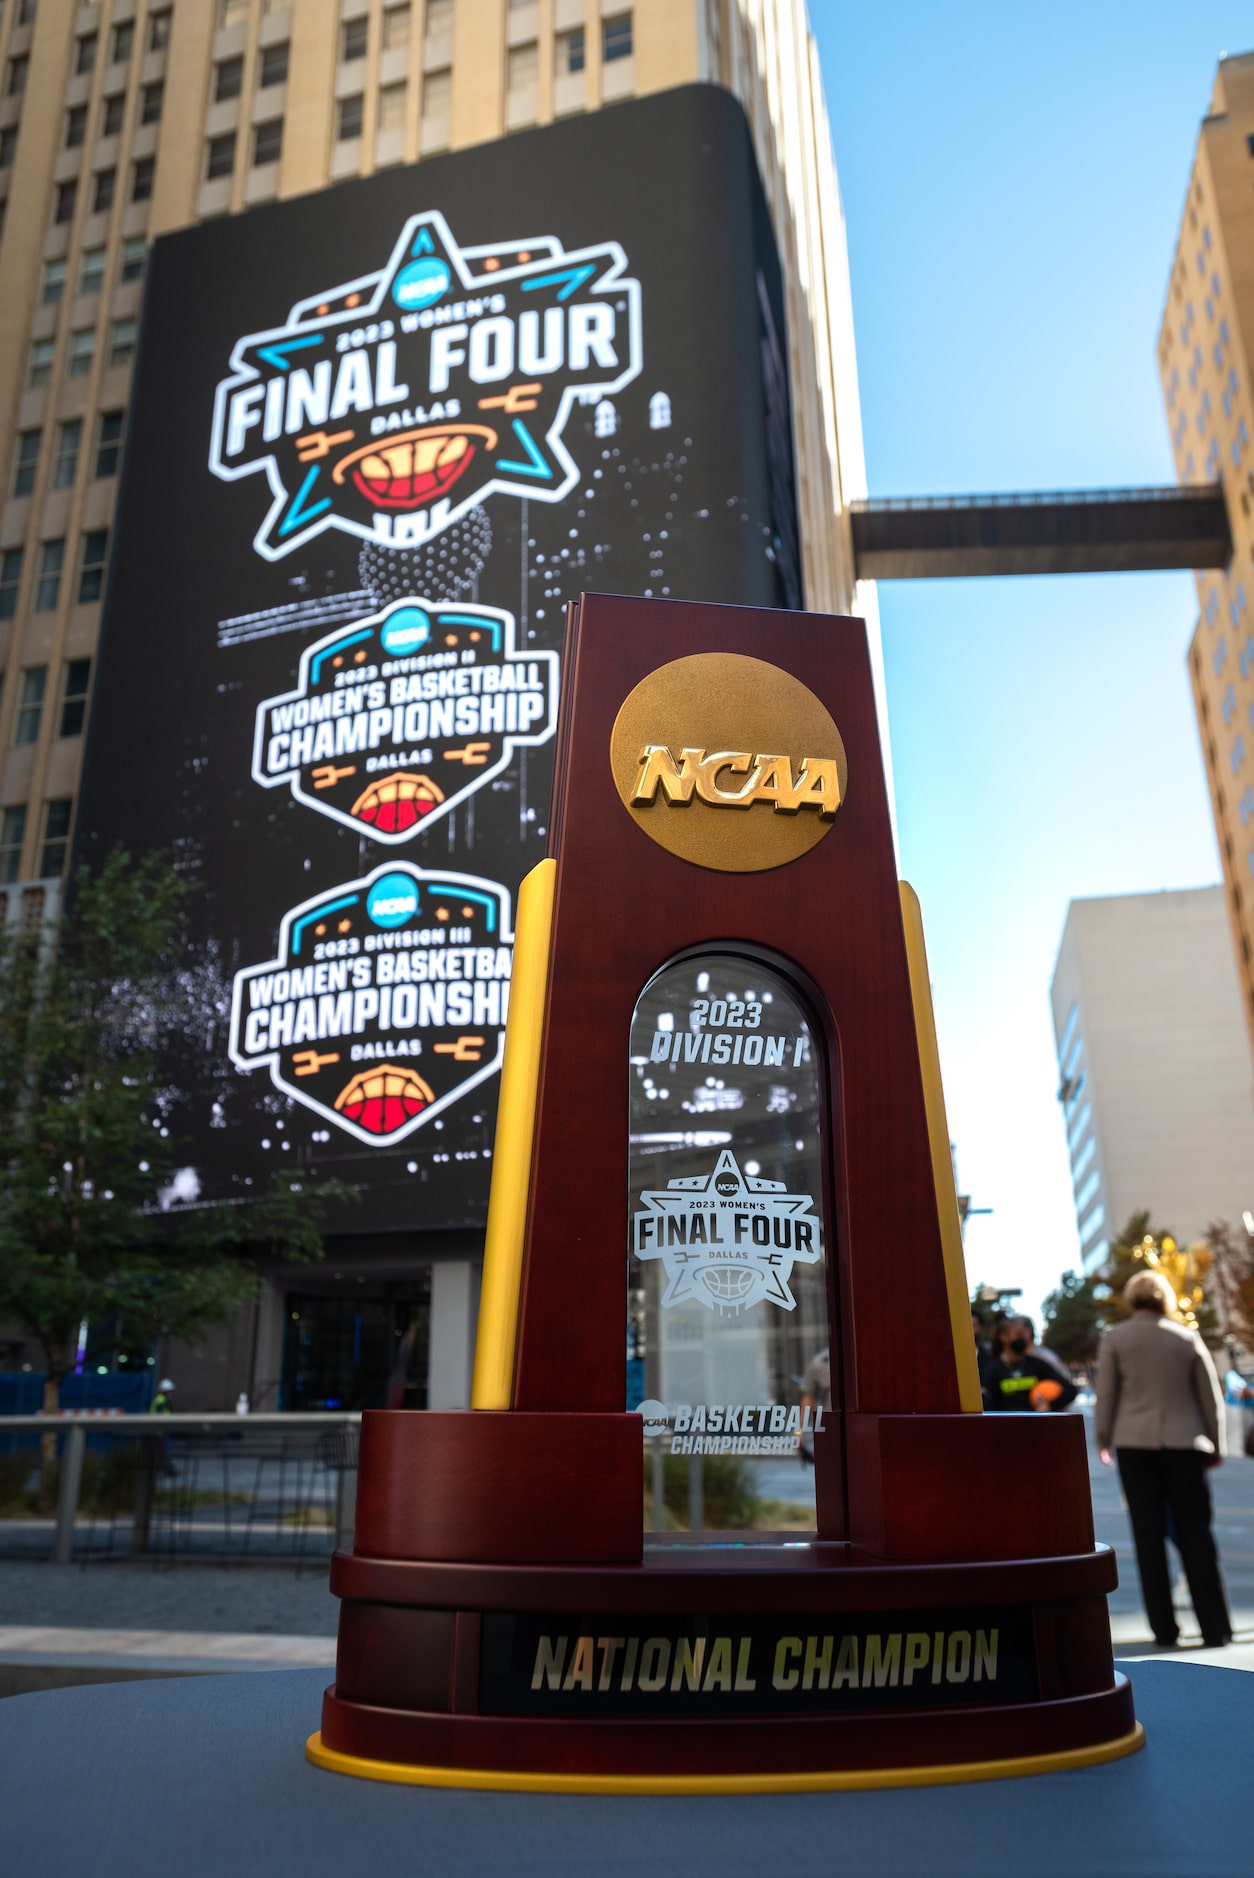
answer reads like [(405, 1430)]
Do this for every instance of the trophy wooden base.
[(738, 1663)]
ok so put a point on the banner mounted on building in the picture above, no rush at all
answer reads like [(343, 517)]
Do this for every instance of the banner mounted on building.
[(378, 437)]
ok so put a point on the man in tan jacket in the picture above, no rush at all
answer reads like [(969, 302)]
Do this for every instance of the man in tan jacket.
[(1160, 1408)]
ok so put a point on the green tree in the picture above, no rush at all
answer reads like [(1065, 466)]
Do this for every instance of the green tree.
[(92, 1219), (1233, 1253), (1076, 1313)]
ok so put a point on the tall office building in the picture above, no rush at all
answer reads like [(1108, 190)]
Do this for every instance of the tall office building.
[(130, 119), (1153, 1069), (122, 121), (1205, 355)]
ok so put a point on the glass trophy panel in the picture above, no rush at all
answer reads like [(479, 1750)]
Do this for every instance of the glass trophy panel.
[(727, 1335)]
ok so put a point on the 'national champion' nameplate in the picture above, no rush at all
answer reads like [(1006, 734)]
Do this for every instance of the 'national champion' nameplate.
[(736, 1664)]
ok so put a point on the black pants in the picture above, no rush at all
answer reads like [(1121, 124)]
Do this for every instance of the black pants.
[(1155, 1481)]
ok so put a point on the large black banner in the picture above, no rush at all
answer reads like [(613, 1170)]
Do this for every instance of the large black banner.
[(379, 436)]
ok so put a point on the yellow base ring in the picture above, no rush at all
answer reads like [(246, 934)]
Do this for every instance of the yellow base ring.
[(485, 1780)]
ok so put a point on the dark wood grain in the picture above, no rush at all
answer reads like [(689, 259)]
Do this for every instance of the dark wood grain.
[(786, 1744), (436, 1484), (794, 1578), (968, 1486), (624, 906)]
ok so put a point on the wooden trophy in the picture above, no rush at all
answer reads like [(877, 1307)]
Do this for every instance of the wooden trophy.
[(721, 1128)]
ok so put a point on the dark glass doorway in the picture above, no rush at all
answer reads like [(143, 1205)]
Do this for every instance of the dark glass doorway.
[(358, 1352)]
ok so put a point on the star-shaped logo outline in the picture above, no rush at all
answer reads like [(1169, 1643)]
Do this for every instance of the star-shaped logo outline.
[(772, 1267), (287, 512)]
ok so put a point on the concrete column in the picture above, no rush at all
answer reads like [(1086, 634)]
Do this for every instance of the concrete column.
[(454, 1317), (268, 1358), (72, 1450)]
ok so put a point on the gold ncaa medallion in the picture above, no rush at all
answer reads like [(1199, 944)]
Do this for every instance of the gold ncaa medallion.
[(719, 732)]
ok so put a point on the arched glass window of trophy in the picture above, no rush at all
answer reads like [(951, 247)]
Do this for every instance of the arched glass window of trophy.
[(728, 1335)]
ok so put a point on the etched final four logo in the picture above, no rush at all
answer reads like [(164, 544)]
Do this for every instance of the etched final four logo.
[(390, 405), (386, 1001), (398, 717), (728, 1240)]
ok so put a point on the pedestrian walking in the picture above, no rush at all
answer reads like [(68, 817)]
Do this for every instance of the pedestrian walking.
[(1160, 1408)]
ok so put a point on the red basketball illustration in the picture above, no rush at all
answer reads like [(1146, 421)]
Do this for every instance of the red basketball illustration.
[(384, 1098), (395, 803), (415, 467)]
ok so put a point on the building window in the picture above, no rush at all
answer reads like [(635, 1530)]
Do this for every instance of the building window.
[(267, 142), (19, 70), (522, 67), (81, 352), (392, 107), (228, 80), (56, 837), (349, 115), (85, 53), (12, 835), (91, 271), (123, 44), (65, 462), (10, 580), (616, 37), (439, 24), (39, 370), (232, 12), (353, 37), (74, 697), (91, 565), (220, 156), (121, 342), (569, 53), (30, 704), (134, 253), (1088, 1191), (102, 198), (8, 145), (48, 586), (76, 127), (26, 462), (142, 174), (396, 24), (26, 10), (114, 112), (151, 99), (108, 443), (273, 66), (67, 195), (53, 285), (437, 94), (159, 30)]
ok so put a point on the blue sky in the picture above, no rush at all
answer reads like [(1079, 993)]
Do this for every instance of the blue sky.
[(1013, 180)]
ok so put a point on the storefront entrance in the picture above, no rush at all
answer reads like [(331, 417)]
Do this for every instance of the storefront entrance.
[(365, 1349)]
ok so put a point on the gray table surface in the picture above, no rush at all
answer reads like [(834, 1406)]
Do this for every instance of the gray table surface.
[(203, 1777)]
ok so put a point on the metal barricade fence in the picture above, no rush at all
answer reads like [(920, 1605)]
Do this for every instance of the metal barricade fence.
[(171, 1487)]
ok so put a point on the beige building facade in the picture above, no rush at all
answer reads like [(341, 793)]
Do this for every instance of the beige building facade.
[(1153, 1071), (123, 120), (1205, 356)]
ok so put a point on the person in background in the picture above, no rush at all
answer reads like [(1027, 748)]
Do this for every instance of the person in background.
[(161, 1402), (1159, 1407), (1015, 1376)]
